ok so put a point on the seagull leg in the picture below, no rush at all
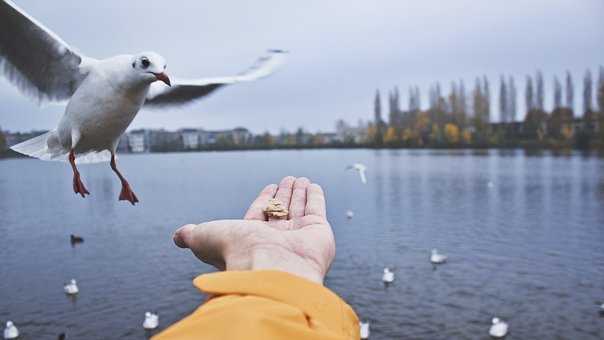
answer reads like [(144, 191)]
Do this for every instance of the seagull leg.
[(127, 194), (78, 185)]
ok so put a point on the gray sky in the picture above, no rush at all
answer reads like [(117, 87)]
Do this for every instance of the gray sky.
[(341, 51)]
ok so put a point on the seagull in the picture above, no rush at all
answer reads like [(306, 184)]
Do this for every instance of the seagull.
[(11, 331), (151, 321), (499, 328), (437, 258), (75, 239), (103, 95), (388, 276), (71, 288), (349, 214), (602, 309), (364, 329), (360, 168)]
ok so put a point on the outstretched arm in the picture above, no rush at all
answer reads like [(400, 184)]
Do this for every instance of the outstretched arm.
[(272, 287)]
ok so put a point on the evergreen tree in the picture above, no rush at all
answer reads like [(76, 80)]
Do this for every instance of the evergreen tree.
[(557, 94), (587, 93), (486, 99), (2, 141), (512, 99), (379, 123), (600, 93), (540, 99), (570, 91), (529, 96), (463, 100), (503, 101)]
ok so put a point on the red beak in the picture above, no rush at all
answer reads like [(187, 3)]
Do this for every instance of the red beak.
[(163, 77)]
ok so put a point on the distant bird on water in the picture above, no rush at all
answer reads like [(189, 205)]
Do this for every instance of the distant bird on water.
[(103, 95), (437, 258), (499, 328), (75, 239), (11, 331), (361, 169), (388, 276), (151, 321), (349, 214), (71, 288)]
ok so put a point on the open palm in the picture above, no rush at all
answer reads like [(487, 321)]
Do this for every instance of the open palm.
[(302, 244)]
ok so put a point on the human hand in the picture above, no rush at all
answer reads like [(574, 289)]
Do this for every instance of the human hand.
[(303, 244)]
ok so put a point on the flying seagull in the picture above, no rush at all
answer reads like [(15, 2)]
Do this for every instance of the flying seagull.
[(360, 168), (103, 95)]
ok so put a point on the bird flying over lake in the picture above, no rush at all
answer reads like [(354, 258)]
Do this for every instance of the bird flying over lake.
[(103, 95), (360, 168)]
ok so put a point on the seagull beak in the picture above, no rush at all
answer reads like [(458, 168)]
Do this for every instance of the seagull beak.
[(163, 77)]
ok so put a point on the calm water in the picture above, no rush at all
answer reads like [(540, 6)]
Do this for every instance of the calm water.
[(529, 250)]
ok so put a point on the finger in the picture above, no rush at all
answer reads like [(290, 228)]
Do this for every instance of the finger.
[(315, 201), (284, 192), (206, 241), (256, 210), (298, 201)]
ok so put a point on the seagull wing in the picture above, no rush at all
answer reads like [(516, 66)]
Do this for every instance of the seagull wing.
[(184, 91), (35, 59)]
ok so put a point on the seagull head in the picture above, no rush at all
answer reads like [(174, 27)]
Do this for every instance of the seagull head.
[(151, 67)]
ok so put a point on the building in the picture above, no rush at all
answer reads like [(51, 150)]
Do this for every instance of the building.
[(138, 141), (190, 139)]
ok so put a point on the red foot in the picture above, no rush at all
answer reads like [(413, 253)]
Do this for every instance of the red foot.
[(127, 194), (78, 186)]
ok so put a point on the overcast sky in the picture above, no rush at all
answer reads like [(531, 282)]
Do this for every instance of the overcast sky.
[(341, 51)]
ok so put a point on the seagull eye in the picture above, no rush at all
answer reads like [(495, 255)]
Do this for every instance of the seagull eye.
[(145, 62)]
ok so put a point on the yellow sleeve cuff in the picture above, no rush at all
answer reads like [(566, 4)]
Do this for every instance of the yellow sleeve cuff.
[(265, 305)]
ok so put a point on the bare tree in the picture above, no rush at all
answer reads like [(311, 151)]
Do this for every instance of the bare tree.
[(540, 99), (503, 100), (570, 91), (529, 96), (512, 99), (587, 92), (557, 93)]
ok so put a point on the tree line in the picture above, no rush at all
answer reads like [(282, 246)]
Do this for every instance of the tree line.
[(463, 117)]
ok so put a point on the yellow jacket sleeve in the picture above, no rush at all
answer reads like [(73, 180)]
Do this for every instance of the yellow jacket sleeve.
[(265, 305)]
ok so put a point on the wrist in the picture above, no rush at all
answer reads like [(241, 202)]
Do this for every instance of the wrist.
[(275, 257)]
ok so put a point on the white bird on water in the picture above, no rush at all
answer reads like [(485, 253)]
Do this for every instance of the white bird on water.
[(349, 214), (103, 95), (361, 169), (151, 321), (388, 276), (11, 331), (71, 288), (364, 329), (437, 258), (499, 328)]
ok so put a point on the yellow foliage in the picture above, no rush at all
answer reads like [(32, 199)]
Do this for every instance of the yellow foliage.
[(408, 135), (390, 136), (452, 133), (467, 136), (567, 132)]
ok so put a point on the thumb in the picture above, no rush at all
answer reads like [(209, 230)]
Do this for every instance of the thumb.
[(207, 241)]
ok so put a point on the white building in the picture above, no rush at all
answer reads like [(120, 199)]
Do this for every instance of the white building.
[(190, 139), (137, 141)]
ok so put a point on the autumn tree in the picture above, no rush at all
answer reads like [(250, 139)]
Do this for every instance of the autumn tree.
[(2, 141), (600, 93)]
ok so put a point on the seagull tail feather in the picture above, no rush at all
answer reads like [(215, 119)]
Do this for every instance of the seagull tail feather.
[(47, 148), (44, 147)]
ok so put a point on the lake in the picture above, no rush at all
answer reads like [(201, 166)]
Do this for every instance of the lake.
[(529, 247)]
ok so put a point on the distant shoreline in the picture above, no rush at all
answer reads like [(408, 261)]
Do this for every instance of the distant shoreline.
[(8, 154)]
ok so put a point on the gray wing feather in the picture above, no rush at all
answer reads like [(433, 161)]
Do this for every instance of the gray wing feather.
[(187, 90), (34, 59)]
